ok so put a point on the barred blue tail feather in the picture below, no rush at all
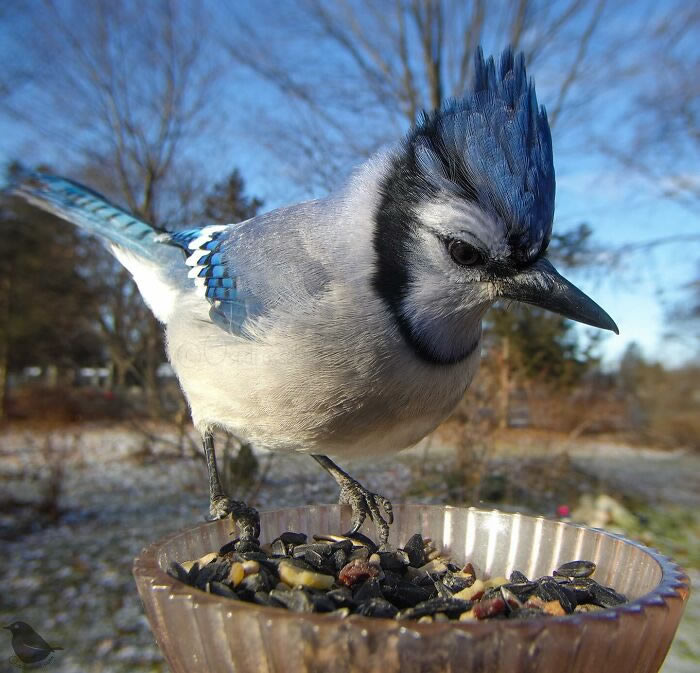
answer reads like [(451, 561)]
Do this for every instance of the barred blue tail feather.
[(132, 241), (86, 208)]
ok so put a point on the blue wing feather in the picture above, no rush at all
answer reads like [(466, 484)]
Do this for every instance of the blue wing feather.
[(231, 306)]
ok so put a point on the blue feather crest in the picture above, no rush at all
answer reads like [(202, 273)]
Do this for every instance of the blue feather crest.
[(494, 147)]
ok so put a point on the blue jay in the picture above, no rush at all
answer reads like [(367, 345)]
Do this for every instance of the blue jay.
[(351, 324)]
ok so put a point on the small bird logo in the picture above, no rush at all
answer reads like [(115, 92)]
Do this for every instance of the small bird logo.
[(28, 645)]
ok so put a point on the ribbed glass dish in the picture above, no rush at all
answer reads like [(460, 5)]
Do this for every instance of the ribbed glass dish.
[(204, 633)]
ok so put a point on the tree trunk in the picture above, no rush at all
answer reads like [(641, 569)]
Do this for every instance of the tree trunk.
[(150, 379), (504, 392), (5, 287)]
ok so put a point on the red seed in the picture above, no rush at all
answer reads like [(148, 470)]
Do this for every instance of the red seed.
[(468, 569), (356, 571), (489, 608)]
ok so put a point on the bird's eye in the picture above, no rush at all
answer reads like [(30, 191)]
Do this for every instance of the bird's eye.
[(464, 254)]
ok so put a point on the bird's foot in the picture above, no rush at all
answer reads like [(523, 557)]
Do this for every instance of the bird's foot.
[(247, 518), (365, 504)]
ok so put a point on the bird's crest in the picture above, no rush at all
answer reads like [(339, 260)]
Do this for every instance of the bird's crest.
[(494, 147)]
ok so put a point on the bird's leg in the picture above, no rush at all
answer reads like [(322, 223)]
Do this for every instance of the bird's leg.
[(364, 503), (220, 505)]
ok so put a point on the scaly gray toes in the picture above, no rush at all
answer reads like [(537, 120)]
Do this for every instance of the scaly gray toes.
[(246, 517), (364, 503), (219, 508), (248, 523)]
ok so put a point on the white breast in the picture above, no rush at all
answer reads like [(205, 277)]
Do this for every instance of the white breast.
[(312, 384)]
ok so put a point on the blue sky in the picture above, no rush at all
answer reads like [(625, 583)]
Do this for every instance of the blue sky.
[(637, 296), (618, 205)]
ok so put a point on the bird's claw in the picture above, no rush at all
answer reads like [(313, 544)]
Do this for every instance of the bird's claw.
[(364, 503), (247, 518)]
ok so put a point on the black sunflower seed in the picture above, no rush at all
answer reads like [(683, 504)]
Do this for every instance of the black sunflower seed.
[(377, 607), (192, 574), (322, 549), (260, 581), (295, 600), (217, 571), (425, 580), (370, 588), (359, 538), (312, 558), (221, 589), (177, 571), (396, 561), (455, 583), (547, 589), (342, 597), (340, 559), (299, 563), (291, 538), (516, 577), (360, 553), (582, 588), (452, 607), (523, 590), (441, 591), (576, 569), (264, 598), (606, 597), (550, 590), (415, 549), (342, 545), (491, 593), (513, 603), (405, 594), (322, 603)]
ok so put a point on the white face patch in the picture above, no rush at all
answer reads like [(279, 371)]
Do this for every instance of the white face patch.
[(456, 218), (444, 303)]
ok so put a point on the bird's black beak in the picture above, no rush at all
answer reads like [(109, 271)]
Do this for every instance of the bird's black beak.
[(541, 285)]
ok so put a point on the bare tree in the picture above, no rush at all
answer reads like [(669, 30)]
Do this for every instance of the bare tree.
[(658, 130), (684, 318), (124, 89), (356, 73)]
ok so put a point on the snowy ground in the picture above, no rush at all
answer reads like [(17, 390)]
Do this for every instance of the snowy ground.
[(72, 581)]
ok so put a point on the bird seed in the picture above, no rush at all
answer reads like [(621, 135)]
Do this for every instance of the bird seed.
[(341, 576)]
